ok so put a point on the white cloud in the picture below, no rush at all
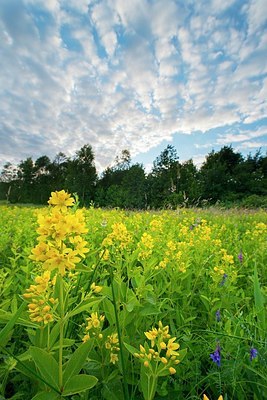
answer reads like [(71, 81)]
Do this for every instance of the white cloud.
[(104, 19), (199, 159), (119, 74), (251, 145), (257, 15), (241, 136)]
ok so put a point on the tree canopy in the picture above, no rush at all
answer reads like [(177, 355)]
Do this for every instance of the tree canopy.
[(225, 176)]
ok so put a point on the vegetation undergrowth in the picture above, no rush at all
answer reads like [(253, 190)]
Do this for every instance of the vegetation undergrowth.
[(110, 304)]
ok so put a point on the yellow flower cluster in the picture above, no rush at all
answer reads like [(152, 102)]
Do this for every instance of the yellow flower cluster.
[(61, 200), (163, 349), (259, 231), (145, 246), (227, 258), (156, 225), (225, 264), (94, 325), (118, 237), (172, 257), (111, 344), (42, 304), (94, 330), (61, 245)]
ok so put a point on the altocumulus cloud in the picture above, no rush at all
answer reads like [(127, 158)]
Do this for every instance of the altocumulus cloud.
[(119, 74)]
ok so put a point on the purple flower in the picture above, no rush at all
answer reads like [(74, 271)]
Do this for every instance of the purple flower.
[(253, 353), (223, 279), (240, 256), (216, 356), (218, 315)]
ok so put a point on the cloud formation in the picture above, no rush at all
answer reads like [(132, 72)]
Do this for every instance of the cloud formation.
[(120, 74)]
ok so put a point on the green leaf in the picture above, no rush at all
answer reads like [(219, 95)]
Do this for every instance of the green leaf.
[(54, 334), (9, 326), (113, 391), (182, 354), (149, 310), (76, 361), (46, 365), (7, 317), (85, 306), (108, 309), (130, 348), (206, 301), (27, 368), (46, 396), (66, 343), (79, 383)]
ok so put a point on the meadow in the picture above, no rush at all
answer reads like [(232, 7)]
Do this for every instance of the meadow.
[(111, 304)]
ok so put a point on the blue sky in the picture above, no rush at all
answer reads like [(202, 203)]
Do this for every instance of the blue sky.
[(133, 75)]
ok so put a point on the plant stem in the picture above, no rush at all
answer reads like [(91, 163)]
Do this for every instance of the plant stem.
[(152, 387), (125, 387), (48, 337), (61, 332)]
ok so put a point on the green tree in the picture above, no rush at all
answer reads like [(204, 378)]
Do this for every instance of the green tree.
[(189, 185), (251, 176), (163, 181), (26, 181), (58, 172), (218, 174), (81, 174), (134, 187), (42, 179), (8, 178), (123, 161)]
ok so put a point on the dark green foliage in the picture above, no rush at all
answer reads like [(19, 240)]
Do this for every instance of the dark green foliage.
[(81, 175), (163, 181), (225, 177)]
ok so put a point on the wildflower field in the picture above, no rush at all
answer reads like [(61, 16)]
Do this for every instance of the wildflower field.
[(110, 304)]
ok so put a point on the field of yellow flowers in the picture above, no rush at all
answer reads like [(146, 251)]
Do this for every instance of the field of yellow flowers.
[(109, 304)]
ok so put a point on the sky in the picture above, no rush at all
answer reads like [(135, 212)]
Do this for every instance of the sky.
[(132, 74)]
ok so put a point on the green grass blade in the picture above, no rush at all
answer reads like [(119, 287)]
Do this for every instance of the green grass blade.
[(259, 304), (9, 326)]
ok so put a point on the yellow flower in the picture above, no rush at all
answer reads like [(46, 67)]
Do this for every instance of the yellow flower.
[(40, 306), (113, 358), (171, 347), (95, 288), (172, 370), (61, 200), (39, 252), (146, 364), (113, 338), (151, 335), (86, 337), (206, 397), (93, 321), (111, 345), (61, 260)]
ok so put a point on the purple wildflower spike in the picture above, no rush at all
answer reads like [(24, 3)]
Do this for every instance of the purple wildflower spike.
[(216, 356), (253, 353), (218, 315), (240, 256)]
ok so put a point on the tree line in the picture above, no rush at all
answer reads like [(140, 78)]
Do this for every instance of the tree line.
[(225, 176)]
